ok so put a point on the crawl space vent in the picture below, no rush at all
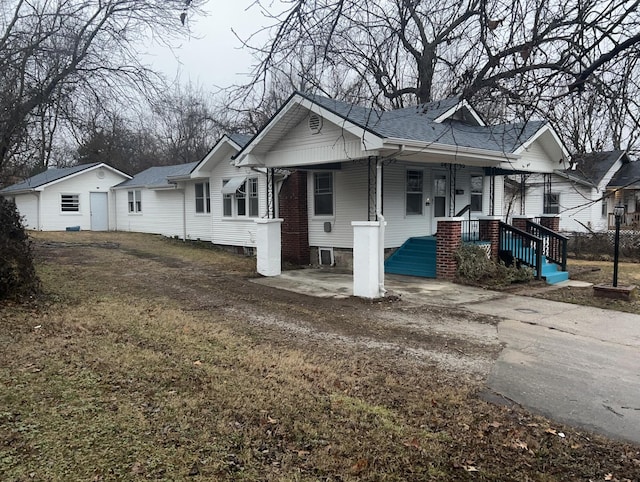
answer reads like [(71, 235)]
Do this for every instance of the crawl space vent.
[(326, 256), (315, 123)]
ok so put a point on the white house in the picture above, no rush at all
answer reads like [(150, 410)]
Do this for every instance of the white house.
[(584, 195), (395, 173), (68, 197), (211, 200)]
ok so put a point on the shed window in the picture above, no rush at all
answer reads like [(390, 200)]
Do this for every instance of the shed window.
[(476, 193), (203, 198), (135, 201), (323, 194), (552, 203), (414, 192), (70, 203)]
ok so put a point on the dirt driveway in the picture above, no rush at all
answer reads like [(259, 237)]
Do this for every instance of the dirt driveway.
[(204, 373)]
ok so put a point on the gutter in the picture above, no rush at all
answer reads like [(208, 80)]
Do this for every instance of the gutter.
[(437, 147)]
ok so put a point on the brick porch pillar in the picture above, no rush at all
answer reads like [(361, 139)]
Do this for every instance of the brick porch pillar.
[(292, 207), (550, 221), (489, 227), (448, 238), (520, 222)]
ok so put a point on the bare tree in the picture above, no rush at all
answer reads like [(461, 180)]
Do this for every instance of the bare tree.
[(54, 52), (514, 56)]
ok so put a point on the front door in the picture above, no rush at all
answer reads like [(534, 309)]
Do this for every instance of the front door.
[(439, 195), (99, 211)]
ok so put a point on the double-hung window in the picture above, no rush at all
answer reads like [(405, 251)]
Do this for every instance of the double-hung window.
[(476, 193), (551, 203), (70, 203), (323, 194), (240, 197), (135, 201), (203, 198), (414, 184)]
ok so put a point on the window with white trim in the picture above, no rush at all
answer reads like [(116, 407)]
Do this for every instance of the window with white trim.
[(203, 198), (135, 201), (414, 187), (551, 203), (476, 193), (323, 193), (243, 201), (253, 196), (70, 203)]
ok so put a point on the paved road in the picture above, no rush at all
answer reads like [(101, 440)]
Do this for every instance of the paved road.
[(571, 363)]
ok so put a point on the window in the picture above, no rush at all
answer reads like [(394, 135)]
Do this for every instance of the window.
[(240, 194), (135, 201), (203, 198), (605, 210), (414, 192), (476, 193), (253, 197), (323, 194), (551, 203), (70, 203)]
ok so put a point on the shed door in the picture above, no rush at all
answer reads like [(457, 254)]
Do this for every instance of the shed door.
[(99, 211)]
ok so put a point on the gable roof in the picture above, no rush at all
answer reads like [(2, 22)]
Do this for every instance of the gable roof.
[(240, 139), (156, 177), (430, 125), (628, 176), (592, 167), (49, 176)]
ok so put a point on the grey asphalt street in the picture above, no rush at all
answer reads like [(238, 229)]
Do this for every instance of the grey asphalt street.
[(572, 363)]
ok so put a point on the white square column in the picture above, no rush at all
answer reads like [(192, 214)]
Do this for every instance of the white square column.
[(269, 246), (367, 260)]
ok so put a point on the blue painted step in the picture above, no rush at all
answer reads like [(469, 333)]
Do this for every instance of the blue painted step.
[(416, 257), (550, 271)]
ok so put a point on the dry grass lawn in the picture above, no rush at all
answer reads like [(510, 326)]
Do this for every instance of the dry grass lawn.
[(141, 363)]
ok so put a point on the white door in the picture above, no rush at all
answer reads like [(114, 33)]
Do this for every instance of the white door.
[(440, 198), (99, 211)]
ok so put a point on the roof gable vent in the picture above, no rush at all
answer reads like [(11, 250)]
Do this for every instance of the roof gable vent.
[(315, 123)]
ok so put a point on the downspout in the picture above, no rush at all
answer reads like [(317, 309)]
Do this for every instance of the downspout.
[(380, 218), (114, 204), (184, 213)]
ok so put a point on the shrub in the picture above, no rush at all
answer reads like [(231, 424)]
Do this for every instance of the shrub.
[(474, 266), (18, 279)]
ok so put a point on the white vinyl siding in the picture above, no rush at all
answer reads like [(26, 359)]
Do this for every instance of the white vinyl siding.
[(229, 229), (163, 212)]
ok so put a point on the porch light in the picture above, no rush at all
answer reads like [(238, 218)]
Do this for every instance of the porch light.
[(618, 212)]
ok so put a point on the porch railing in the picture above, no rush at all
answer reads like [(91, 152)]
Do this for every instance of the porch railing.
[(554, 245), (470, 227), (630, 221), (525, 247)]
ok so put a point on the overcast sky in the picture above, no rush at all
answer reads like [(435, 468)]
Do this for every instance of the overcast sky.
[(213, 56)]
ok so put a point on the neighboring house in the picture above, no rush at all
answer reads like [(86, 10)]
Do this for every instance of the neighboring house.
[(583, 196), (210, 200), (77, 196), (411, 166)]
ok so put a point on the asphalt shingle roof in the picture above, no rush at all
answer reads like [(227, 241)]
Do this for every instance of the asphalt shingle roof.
[(593, 166), (418, 123), (240, 139), (46, 177), (156, 177), (628, 176)]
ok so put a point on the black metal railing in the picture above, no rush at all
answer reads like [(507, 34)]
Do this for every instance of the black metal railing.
[(470, 227), (525, 247), (554, 245)]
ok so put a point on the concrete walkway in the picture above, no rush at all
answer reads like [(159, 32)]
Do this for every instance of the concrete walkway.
[(575, 364)]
